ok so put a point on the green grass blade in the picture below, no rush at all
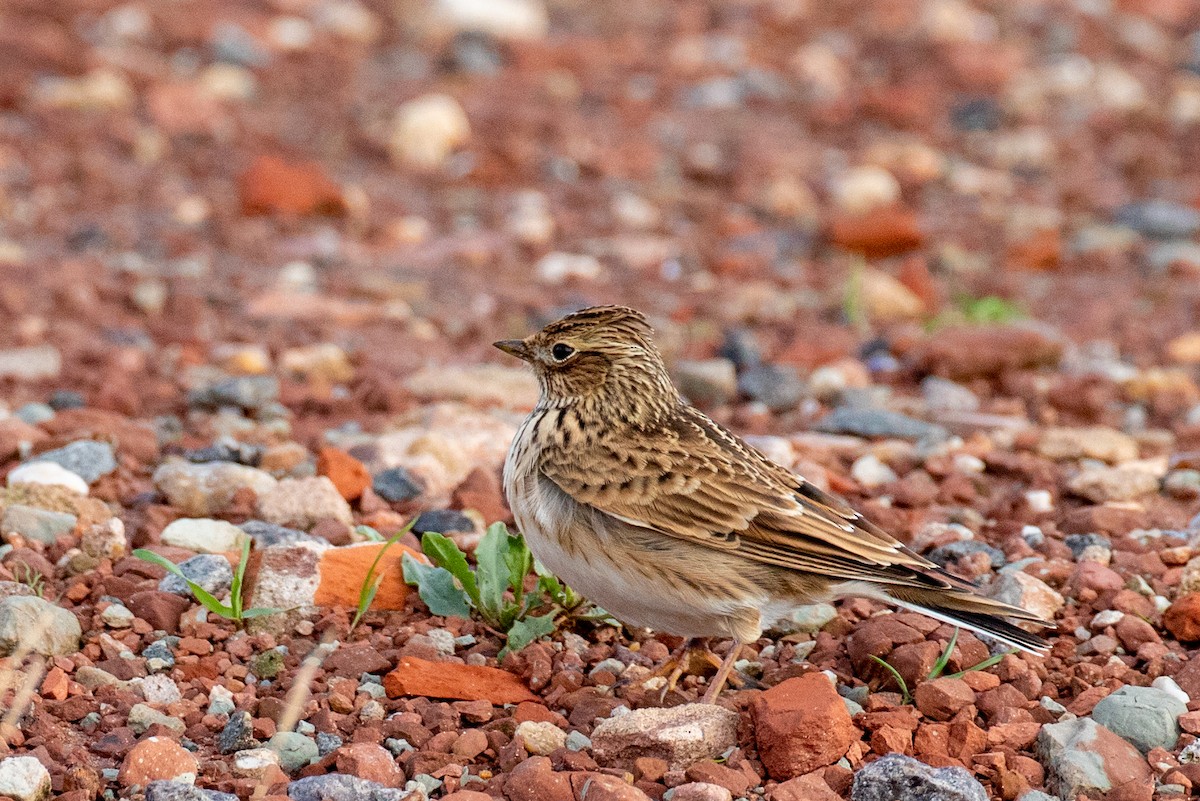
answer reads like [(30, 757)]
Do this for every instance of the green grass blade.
[(984, 665), (944, 659), (903, 685), (239, 574)]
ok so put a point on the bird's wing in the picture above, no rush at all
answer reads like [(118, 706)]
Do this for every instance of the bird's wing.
[(694, 480)]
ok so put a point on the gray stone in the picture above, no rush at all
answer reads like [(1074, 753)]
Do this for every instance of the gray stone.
[(327, 743), (776, 386), (954, 551), (86, 458), (1078, 543), (682, 735), (1145, 716), (1084, 758), (1160, 219), (143, 716), (897, 776), (159, 655), (164, 790), (295, 750), (117, 616), (238, 734), (341, 787), (442, 521), (211, 571), (24, 778), (708, 382), (943, 394), (250, 392), (396, 485), (32, 523), (34, 413), (36, 625), (220, 701), (266, 535), (868, 422)]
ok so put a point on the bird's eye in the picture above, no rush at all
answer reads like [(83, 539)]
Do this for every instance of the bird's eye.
[(561, 352)]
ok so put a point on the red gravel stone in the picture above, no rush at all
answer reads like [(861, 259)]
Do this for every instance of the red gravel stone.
[(272, 184), (535, 780), (348, 474), (1182, 618), (943, 698), (156, 758), (801, 725), (452, 680), (371, 762)]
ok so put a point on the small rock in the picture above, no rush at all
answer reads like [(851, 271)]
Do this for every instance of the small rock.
[(1084, 758), (163, 790), (541, 737), (157, 758), (451, 680), (208, 489), (559, 267), (863, 189), (943, 698), (896, 776), (248, 392), (294, 749), (32, 523), (340, 787), (708, 382), (443, 521), (105, 540), (24, 778), (965, 352), (303, 502), (885, 299), (30, 364), (1104, 484), (1160, 219), (211, 571), (502, 19), (220, 699), (870, 472), (117, 616), (371, 762), (268, 535), (427, 130), (203, 535), (324, 362), (811, 617), (348, 474), (680, 735), (1027, 592), (801, 725), (47, 473), (941, 394), (1145, 716), (1095, 442), (87, 459), (700, 791), (875, 423), (776, 386), (35, 625), (396, 485), (238, 734), (142, 717)]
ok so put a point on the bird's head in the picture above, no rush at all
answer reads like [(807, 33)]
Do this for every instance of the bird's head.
[(599, 351)]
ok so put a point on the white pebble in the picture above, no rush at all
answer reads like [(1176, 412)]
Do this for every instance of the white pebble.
[(48, 473), (1109, 617), (870, 472), (1171, 688), (861, 189), (1039, 501)]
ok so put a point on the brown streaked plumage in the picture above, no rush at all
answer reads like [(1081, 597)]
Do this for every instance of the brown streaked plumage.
[(656, 513)]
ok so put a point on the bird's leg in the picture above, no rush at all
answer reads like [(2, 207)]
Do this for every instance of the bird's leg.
[(718, 681), (675, 666)]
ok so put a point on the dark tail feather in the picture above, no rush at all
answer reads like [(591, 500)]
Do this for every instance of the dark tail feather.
[(975, 613)]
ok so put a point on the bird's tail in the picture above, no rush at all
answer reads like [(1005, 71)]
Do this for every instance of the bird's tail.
[(975, 613)]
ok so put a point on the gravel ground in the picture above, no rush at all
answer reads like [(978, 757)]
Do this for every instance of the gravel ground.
[(939, 256)]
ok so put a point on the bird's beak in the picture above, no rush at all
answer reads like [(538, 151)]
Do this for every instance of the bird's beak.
[(514, 347)]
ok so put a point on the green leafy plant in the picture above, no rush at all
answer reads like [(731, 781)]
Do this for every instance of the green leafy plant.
[(971, 310), (234, 610), (939, 667), (371, 582), (494, 589), (853, 305)]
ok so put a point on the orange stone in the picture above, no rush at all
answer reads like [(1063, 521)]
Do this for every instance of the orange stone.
[(157, 758), (301, 188), (343, 571), (348, 474), (1182, 618), (878, 234), (451, 680), (54, 686)]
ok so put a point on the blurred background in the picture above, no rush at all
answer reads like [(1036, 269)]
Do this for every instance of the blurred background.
[(784, 182)]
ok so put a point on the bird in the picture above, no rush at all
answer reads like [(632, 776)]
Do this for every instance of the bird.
[(668, 521)]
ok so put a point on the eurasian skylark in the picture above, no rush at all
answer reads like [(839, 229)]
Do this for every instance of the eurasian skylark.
[(665, 519)]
